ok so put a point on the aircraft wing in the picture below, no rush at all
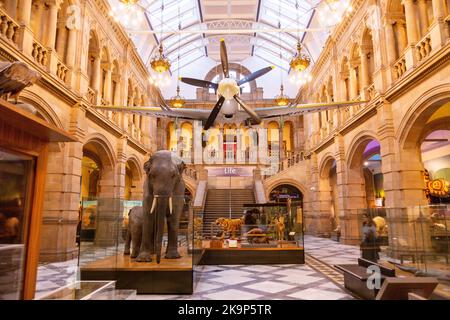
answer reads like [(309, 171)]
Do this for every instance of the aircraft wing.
[(178, 113), (273, 112)]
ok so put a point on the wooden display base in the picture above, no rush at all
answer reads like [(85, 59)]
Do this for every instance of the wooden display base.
[(169, 277), (225, 256)]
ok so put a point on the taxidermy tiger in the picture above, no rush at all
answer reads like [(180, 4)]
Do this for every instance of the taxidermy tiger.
[(230, 225)]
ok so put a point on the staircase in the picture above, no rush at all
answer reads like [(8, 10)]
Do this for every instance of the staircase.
[(218, 203)]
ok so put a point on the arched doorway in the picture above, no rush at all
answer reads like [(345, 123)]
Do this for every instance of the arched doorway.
[(435, 154), (328, 195), (365, 177), (98, 194), (291, 197), (273, 137), (283, 192), (288, 137)]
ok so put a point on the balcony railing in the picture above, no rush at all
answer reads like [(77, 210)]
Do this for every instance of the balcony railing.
[(9, 29), (423, 48), (40, 54), (62, 71), (399, 67), (293, 159), (91, 96)]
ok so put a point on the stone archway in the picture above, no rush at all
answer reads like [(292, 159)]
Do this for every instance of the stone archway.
[(105, 208), (428, 113), (133, 179), (359, 191), (328, 196)]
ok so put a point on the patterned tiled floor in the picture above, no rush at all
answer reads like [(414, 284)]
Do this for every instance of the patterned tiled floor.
[(316, 280)]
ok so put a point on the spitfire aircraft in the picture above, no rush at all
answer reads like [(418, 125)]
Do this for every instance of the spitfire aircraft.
[(226, 108)]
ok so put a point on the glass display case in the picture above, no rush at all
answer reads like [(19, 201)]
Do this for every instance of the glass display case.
[(416, 239), (16, 179), (265, 233), (90, 290), (111, 253)]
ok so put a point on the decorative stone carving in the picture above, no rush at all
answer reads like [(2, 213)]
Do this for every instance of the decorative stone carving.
[(14, 77)]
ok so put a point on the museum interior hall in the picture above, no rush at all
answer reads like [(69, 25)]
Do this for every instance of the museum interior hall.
[(224, 149)]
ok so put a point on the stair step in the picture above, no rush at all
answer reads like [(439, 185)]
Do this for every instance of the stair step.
[(219, 203)]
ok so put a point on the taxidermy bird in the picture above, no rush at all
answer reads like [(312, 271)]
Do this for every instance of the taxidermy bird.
[(14, 77)]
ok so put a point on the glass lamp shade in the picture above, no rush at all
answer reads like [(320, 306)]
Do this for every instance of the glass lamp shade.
[(281, 99), (160, 63), (300, 61), (177, 101)]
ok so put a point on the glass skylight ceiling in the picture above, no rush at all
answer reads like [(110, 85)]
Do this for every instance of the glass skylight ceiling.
[(271, 47)]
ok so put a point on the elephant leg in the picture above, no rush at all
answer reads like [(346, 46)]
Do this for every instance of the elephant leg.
[(136, 244), (173, 223), (146, 238), (126, 250)]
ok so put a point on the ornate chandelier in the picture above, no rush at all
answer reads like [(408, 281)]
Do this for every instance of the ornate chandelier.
[(128, 13), (177, 101), (299, 64), (161, 67), (159, 62), (281, 99)]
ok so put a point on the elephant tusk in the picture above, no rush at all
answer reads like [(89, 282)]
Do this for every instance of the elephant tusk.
[(170, 205), (153, 205)]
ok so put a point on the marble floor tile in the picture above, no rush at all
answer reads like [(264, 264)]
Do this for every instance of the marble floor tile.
[(232, 294), (317, 294), (270, 286)]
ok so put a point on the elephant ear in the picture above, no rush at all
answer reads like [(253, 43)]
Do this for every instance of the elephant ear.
[(148, 165)]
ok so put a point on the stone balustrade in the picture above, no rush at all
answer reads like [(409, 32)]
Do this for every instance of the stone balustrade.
[(291, 160), (91, 96), (9, 29), (191, 173), (40, 54), (399, 67), (62, 71), (371, 92), (423, 48)]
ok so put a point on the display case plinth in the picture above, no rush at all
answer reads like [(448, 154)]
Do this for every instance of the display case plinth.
[(171, 276), (227, 256)]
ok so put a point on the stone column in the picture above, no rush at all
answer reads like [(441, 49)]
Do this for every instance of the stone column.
[(403, 185), (71, 47), (107, 84), (280, 141), (402, 35), (38, 19), (11, 8), (116, 99), (62, 194), (423, 16), (220, 152), (314, 224), (390, 42), (365, 76), (96, 73), (411, 22), (24, 12), (353, 82), (61, 39), (438, 9), (51, 24)]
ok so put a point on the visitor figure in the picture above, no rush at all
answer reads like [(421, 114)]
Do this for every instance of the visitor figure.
[(369, 245)]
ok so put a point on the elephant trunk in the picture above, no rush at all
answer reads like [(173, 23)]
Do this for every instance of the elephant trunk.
[(159, 224)]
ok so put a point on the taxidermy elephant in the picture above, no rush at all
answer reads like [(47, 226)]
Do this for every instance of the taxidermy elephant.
[(163, 200), (134, 232)]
